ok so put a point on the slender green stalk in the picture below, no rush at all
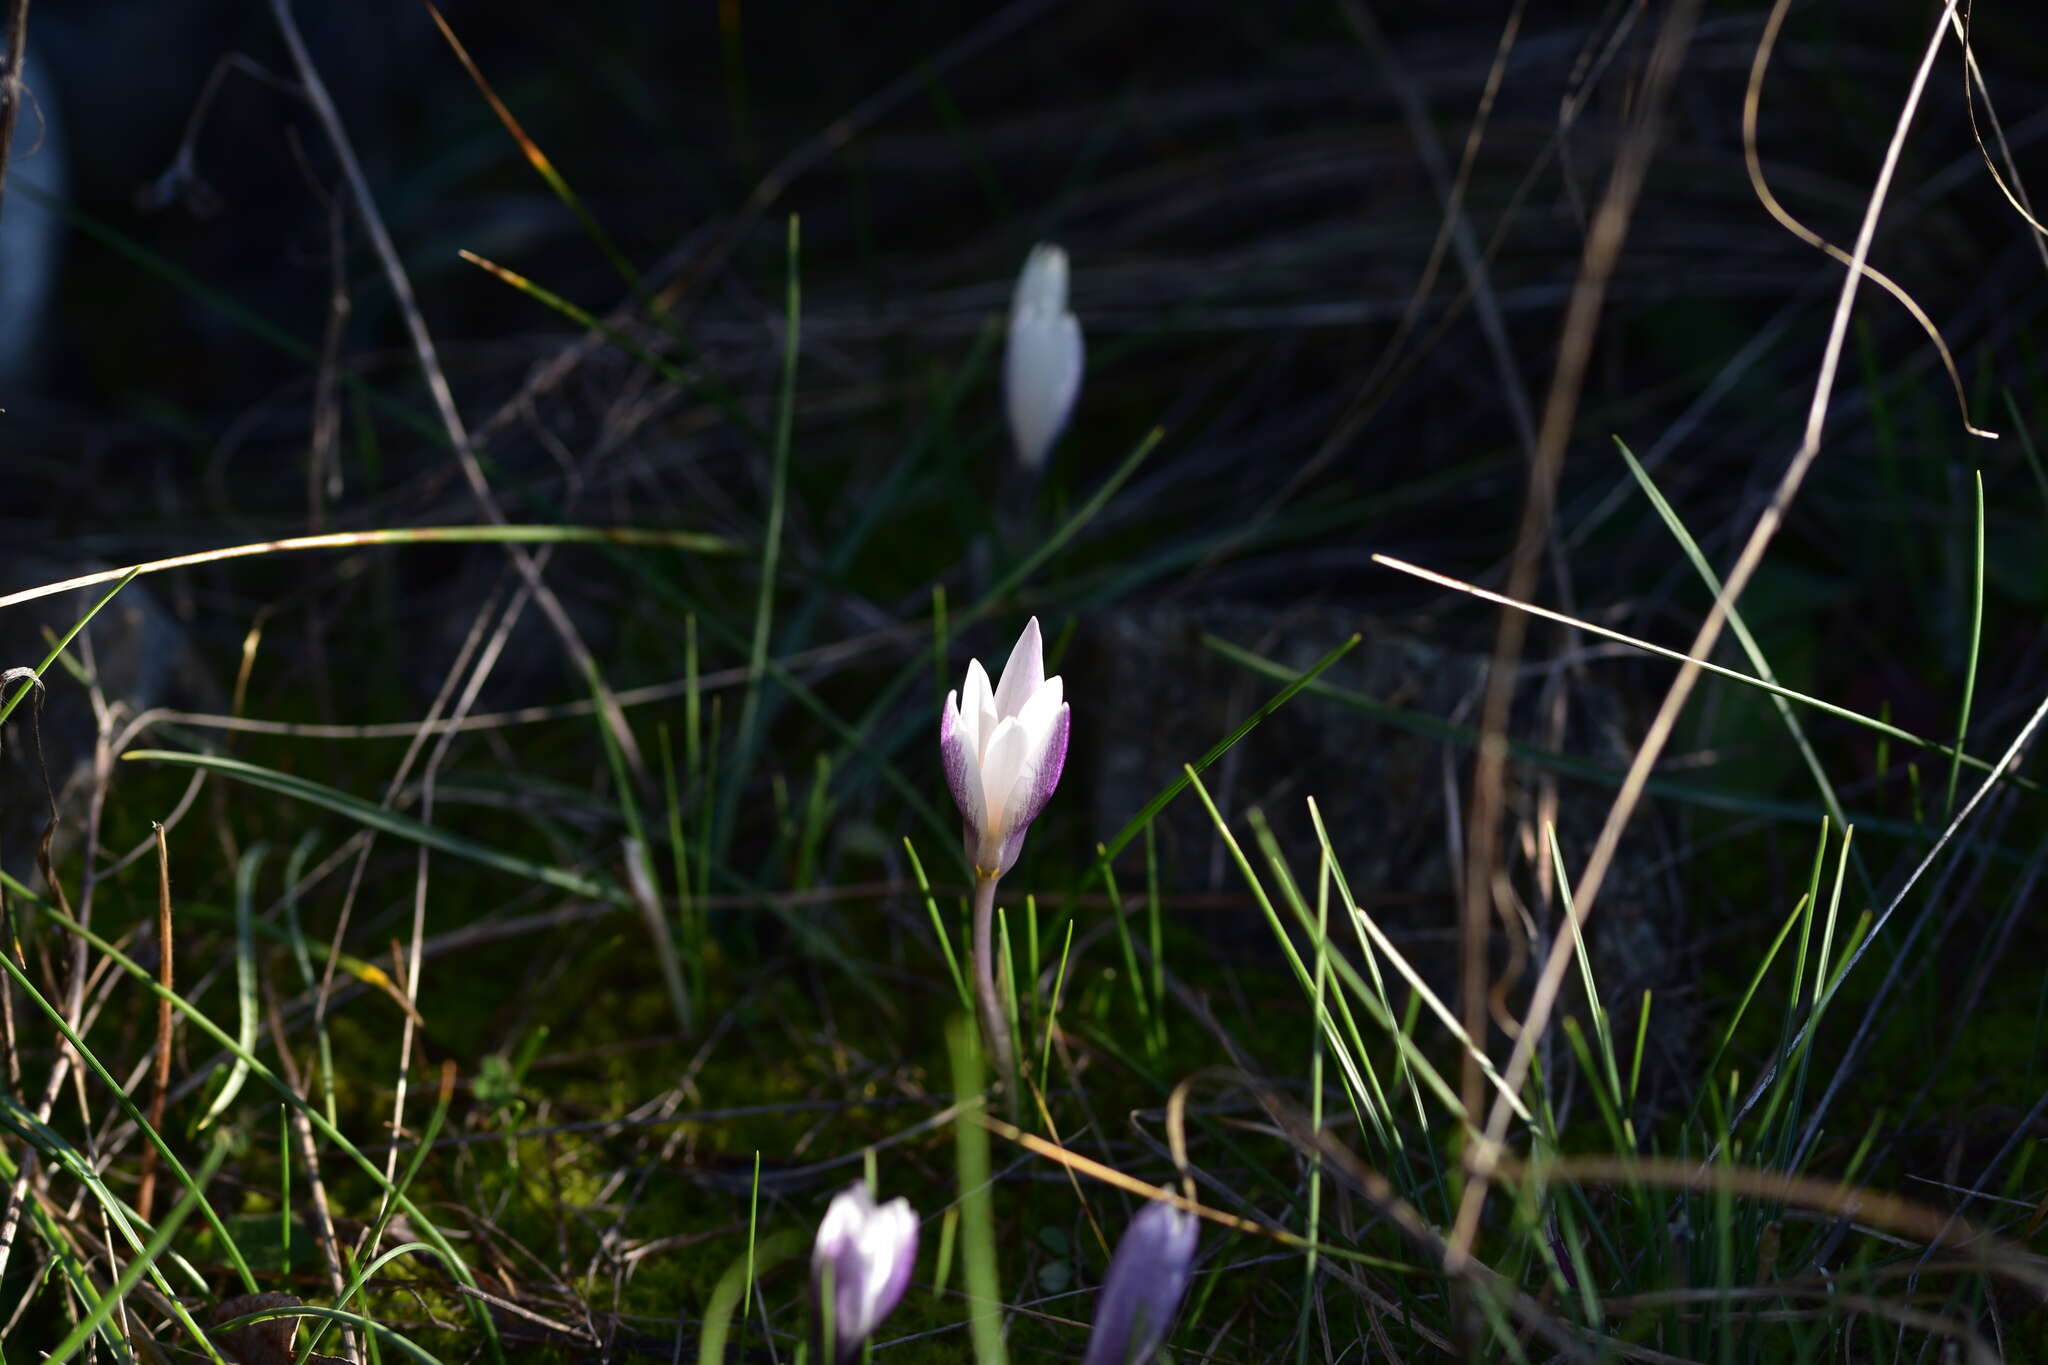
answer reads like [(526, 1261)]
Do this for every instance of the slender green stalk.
[(977, 1203), (778, 501), (1955, 762)]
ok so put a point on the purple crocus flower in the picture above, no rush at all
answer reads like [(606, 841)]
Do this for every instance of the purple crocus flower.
[(866, 1252), (1147, 1277), (1003, 749)]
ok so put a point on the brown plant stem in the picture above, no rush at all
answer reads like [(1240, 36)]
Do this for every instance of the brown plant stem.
[(145, 1195)]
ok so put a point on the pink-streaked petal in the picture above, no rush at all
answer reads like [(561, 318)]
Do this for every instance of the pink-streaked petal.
[(1024, 673), (892, 1249), (1041, 774), (963, 770)]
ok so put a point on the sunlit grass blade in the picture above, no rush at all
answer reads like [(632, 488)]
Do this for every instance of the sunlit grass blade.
[(1430, 1077), (1976, 642), (387, 821), (1719, 671), (1738, 627), (424, 1225), (692, 542), (139, 1265), (30, 682), (778, 501), (977, 1200), (246, 873), (1137, 823)]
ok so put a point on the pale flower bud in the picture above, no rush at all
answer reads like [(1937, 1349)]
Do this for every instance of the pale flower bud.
[(1042, 367)]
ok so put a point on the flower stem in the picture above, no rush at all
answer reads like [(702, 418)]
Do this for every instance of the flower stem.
[(995, 1024)]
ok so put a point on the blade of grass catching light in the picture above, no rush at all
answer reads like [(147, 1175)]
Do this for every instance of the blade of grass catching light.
[(422, 1224), (939, 930), (1052, 1011), (58, 1151), (1315, 1116), (1976, 640), (128, 1106), (624, 536), (886, 702), (245, 978), (1123, 938), (977, 1207), (132, 1273), (57, 650), (778, 499), (1189, 772), (1678, 656), (1740, 629), (536, 158), (704, 385), (386, 821), (1601, 1032)]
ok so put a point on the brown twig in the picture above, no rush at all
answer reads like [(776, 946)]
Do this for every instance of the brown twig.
[(437, 385), (1544, 998), (160, 1079), (1608, 230)]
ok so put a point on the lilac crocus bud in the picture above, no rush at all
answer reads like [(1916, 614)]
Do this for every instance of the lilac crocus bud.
[(1003, 749), (1042, 367), (864, 1252), (1147, 1277)]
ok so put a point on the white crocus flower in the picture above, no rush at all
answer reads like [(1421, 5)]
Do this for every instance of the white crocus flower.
[(863, 1258), (1003, 749), (1042, 368)]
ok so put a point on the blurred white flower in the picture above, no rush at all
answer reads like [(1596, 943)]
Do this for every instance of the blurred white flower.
[(866, 1252), (1003, 749), (1042, 368)]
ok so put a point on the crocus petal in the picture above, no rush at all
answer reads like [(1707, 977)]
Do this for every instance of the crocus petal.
[(963, 767), (1024, 674), (1042, 283), (1035, 786), (866, 1252), (1041, 709), (1041, 381), (1001, 764), (889, 1250), (977, 710), (1147, 1277)]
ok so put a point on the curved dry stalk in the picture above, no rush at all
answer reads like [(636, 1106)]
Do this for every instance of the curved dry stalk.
[(1752, 99), (504, 533), (1544, 998), (1934, 1227)]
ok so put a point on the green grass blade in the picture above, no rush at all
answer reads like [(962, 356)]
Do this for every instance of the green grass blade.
[(246, 1008), (132, 1273), (1976, 642), (1159, 801), (386, 821)]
